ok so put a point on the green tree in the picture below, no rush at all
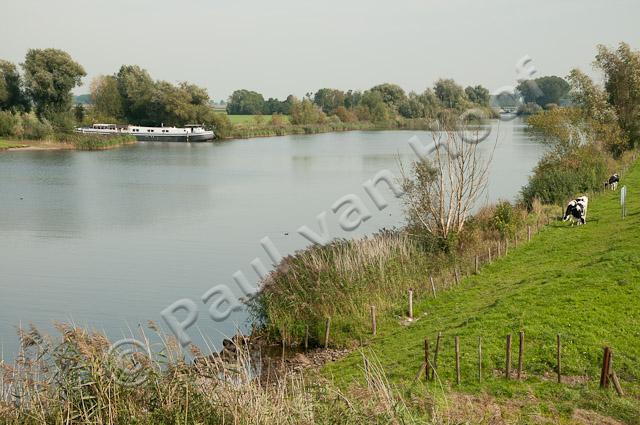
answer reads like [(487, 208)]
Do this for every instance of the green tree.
[(412, 107), (306, 112), (597, 112), (392, 94), (245, 102), (329, 100), (478, 95), (544, 90), (450, 94), (78, 112), (50, 75), (106, 97), (137, 90), (198, 95), (589, 97), (12, 95), (352, 99), (373, 108), (621, 70)]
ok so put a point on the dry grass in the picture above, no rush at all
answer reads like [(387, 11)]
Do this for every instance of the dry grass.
[(75, 379)]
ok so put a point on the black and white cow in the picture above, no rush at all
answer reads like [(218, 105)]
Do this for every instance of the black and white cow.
[(612, 183), (577, 210)]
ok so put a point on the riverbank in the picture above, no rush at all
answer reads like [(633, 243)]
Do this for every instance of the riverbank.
[(68, 142), (10, 144), (576, 282), (264, 127)]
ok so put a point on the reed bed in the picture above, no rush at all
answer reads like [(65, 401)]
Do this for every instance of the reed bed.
[(92, 142), (76, 379)]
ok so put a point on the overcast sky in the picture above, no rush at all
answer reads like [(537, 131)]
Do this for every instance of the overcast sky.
[(278, 47)]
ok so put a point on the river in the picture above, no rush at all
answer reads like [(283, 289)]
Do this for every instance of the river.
[(108, 239)]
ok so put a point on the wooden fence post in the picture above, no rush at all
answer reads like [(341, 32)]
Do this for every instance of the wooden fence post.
[(410, 303), (520, 354), (283, 347), (426, 359), (457, 276), (499, 250), (433, 286), (529, 233), (506, 246), (479, 359), (457, 346), (435, 356), (374, 325), (606, 365), (489, 252), (558, 355), (326, 332), (616, 383), (477, 264), (507, 372), (515, 238)]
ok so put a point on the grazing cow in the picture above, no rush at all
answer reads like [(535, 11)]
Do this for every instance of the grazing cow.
[(577, 210), (612, 183)]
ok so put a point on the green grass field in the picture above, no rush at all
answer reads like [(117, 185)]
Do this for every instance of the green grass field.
[(582, 282)]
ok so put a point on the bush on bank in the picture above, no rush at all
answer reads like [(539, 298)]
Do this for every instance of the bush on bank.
[(24, 126)]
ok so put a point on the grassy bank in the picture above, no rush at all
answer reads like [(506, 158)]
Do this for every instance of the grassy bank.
[(70, 141), (343, 279), (9, 144), (93, 142), (579, 282)]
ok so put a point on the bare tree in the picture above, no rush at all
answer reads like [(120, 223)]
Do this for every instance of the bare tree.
[(445, 186)]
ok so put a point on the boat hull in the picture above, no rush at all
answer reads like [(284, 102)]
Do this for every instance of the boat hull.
[(189, 137)]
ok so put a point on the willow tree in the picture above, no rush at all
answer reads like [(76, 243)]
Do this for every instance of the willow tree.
[(621, 70), (50, 75)]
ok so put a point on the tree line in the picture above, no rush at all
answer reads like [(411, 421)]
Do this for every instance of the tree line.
[(36, 97), (378, 104)]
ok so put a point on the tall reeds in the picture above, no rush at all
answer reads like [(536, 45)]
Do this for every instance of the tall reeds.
[(77, 379)]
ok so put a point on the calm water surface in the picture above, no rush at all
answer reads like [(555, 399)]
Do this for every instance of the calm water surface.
[(108, 239)]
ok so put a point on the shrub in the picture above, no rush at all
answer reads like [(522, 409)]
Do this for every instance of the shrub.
[(558, 178), (529, 108), (62, 122), (506, 219), (221, 124), (35, 129), (8, 122), (277, 120)]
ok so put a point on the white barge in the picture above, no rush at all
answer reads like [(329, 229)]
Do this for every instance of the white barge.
[(188, 133)]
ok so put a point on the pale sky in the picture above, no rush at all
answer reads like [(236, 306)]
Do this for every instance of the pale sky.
[(278, 47)]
